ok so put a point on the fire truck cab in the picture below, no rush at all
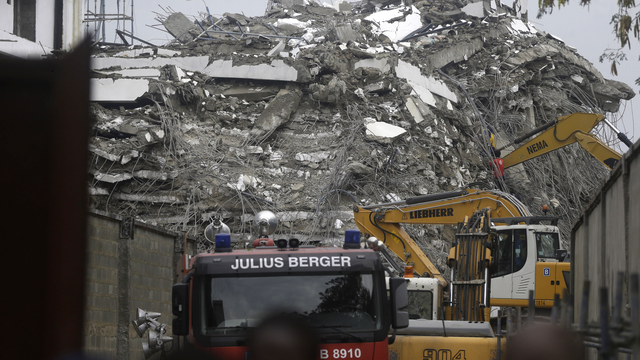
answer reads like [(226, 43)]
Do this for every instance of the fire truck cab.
[(340, 292)]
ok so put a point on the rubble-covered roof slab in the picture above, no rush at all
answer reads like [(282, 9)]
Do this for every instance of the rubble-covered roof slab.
[(310, 109)]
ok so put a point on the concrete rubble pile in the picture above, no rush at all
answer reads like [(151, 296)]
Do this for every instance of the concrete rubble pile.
[(310, 108)]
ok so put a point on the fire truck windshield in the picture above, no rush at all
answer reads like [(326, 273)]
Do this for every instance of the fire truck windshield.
[(344, 302)]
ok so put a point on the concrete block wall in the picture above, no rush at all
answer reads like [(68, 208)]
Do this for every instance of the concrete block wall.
[(123, 275), (152, 276), (102, 285)]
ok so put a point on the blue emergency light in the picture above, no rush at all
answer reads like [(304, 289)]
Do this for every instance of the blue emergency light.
[(223, 243), (351, 239)]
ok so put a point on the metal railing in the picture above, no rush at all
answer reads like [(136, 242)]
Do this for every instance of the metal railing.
[(614, 333)]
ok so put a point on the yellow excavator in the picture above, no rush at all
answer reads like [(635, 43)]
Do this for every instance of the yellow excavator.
[(527, 251), (564, 131), (464, 333)]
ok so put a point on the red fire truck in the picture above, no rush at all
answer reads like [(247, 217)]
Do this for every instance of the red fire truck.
[(340, 292)]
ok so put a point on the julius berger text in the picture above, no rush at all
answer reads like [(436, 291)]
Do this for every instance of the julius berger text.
[(292, 262)]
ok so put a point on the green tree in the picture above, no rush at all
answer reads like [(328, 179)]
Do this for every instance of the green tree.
[(626, 24)]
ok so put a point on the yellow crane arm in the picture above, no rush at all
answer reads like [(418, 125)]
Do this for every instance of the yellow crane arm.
[(566, 130), (383, 220), (398, 241), (598, 149)]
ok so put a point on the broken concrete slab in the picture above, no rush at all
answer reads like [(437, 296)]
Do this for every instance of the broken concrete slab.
[(413, 109), (161, 199), (423, 108), (424, 85), (379, 87), (315, 157), (277, 70), (277, 112), (244, 182), (148, 52), (544, 50), (475, 9), (577, 78), (292, 23), (252, 93), (126, 158), (120, 90), (605, 92), (154, 175), (285, 3), (425, 95), (134, 73), (381, 64), (623, 88), (237, 19), (358, 168), (443, 17), (396, 30), (531, 54), (330, 93), (98, 191), (192, 63), (343, 6), (320, 10), (345, 33), (111, 178), (178, 25), (520, 27), (276, 49), (103, 154), (382, 131), (610, 106), (460, 51)]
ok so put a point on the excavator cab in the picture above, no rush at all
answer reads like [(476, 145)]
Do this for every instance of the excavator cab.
[(425, 298), (526, 258)]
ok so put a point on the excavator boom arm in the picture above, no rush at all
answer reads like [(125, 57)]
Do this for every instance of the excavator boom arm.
[(598, 149), (383, 220), (567, 130), (398, 241)]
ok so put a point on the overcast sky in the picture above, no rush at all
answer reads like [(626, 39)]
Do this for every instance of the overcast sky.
[(586, 29)]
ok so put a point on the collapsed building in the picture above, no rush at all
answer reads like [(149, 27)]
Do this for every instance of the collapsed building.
[(310, 109)]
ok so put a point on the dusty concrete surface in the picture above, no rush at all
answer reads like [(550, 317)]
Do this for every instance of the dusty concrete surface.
[(292, 137)]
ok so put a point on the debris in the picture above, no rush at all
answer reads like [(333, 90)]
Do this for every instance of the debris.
[(345, 33), (381, 64), (277, 70), (306, 109), (413, 109), (377, 130), (330, 93), (422, 85), (111, 178), (179, 26), (193, 63), (277, 112), (119, 90), (276, 49), (475, 9), (396, 30)]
